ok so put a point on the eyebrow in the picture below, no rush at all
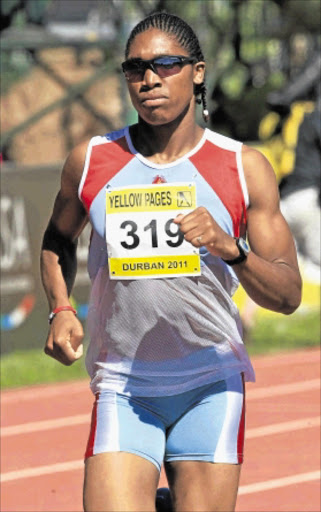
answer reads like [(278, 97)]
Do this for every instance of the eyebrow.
[(158, 56)]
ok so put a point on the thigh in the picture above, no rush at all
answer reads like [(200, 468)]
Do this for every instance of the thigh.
[(203, 486), (119, 482), (204, 450), (125, 424), (212, 429), (124, 455)]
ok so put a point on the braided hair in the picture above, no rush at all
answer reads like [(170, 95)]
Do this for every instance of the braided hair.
[(184, 35)]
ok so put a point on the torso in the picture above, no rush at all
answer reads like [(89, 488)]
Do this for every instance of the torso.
[(148, 327)]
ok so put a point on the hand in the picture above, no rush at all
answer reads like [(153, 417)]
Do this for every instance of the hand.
[(200, 228), (64, 341)]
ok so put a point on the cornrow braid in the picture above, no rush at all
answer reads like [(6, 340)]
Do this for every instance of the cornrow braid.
[(184, 35)]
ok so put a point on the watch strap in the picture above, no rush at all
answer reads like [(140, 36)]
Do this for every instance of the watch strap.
[(242, 256)]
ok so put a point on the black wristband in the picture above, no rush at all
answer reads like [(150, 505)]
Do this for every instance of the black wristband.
[(65, 249)]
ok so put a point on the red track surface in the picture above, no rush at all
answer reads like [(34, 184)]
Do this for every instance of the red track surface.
[(41, 459)]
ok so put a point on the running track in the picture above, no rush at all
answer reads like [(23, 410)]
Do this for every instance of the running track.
[(44, 432)]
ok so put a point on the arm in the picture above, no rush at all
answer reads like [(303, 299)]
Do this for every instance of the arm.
[(59, 264), (270, 274)]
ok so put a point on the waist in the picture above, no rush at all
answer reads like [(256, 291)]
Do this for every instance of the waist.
[(168, 377)]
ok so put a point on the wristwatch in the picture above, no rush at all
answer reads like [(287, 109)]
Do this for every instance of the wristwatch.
[(243, 249)]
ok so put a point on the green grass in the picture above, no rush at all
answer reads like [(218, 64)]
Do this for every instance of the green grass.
[(270, 334), (28, 367), (278, 333)]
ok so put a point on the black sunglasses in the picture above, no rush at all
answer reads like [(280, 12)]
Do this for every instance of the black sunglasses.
[(168, 65)]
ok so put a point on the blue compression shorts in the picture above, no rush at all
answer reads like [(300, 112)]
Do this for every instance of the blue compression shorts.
[(205, 424)]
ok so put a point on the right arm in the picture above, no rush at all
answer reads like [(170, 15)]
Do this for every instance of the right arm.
[(58, 260)]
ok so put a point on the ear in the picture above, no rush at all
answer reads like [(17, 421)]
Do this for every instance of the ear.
[(199, 72)]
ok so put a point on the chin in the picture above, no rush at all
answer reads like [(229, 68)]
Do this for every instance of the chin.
[(159, 118), (156, 119)]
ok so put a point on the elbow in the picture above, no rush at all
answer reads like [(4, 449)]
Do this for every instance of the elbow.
[(290, 308), (291, 304)]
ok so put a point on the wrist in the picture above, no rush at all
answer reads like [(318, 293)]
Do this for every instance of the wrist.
[(57, 310), (231, 250), (242, 249)]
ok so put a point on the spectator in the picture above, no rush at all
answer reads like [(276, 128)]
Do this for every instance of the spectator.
[(300, 190)]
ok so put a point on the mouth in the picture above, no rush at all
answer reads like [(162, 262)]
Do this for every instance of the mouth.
[(153, 101)]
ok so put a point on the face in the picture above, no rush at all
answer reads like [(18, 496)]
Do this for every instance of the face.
[(162, 100)]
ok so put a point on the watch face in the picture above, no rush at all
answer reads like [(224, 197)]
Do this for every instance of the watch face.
[(243, 244)]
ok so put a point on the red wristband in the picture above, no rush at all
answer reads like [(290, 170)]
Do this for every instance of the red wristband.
[(57, 310)]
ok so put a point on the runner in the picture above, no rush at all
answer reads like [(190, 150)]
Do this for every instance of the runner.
[(170, 206)]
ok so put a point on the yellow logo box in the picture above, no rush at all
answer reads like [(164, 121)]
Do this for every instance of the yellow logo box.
[(154, 266), (160, 197)]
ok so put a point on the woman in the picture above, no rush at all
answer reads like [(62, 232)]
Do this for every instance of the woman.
[(166, 357)]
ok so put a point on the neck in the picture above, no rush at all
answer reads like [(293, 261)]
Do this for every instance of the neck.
[(166, 143)]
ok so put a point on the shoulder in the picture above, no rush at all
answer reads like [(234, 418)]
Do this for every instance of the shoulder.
[(222, 141), (76, 160), (252, 158), (74, 165), (260, 176)]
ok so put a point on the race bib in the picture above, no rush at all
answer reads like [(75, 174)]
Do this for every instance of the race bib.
[(142, 239)]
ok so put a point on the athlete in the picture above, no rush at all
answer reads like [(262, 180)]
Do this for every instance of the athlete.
[(166, 357)]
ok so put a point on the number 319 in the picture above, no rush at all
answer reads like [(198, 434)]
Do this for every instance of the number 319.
[(152, 226)]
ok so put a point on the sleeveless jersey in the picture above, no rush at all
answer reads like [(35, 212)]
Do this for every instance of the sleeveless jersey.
[(153, 337)]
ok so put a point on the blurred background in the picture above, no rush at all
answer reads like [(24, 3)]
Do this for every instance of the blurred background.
[(61, 83)]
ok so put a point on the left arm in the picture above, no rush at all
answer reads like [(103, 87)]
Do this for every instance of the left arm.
[(270, 274)]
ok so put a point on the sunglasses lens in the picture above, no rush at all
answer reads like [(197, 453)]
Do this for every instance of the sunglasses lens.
[(134, 71), (167, 66), (163, 66)]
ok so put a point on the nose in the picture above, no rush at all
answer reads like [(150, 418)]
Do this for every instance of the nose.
[(151, 78)]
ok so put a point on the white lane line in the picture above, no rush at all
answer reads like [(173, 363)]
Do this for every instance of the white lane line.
[(279, 482), (283, 389), (251, 433), (286, 426), (82, 386), (41, 470), (287, 359), (82, 419), (37, 426), (12, 396), (79, 464)]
